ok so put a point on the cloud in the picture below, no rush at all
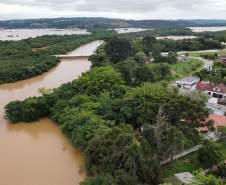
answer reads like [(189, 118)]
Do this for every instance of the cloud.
[(129, 9)]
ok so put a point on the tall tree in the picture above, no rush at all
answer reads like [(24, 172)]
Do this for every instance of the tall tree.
[(118, 49)]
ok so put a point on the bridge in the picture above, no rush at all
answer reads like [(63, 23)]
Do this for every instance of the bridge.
[(72, 56)]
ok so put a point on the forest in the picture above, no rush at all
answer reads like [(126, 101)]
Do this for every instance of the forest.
[(125, 116)]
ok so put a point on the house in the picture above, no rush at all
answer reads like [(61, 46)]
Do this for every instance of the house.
[(188, 83), (222, 59), (216, 91)]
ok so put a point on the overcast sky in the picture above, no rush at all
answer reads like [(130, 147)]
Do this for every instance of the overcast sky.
[(128, 9)]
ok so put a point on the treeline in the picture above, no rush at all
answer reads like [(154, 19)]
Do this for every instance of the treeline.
[(27, 58), (220, 35), (155, 47), (93, 22)]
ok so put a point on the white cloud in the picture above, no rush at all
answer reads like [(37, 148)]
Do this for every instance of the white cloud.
[(129, 9)]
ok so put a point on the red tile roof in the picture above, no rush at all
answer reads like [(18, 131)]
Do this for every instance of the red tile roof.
[(204, 86), (222, 57), (218, 120)]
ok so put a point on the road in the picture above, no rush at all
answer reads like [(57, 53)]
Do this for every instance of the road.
[(208, 64)]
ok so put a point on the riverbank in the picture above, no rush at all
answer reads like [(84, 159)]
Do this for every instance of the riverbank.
[(22, 60), (39, 153)]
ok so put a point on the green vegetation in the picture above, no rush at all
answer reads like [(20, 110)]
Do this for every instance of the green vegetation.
[(202, 179), (217, 75), (200, 43), (123, 115), (186, 68), (209, 55), (220, 35), (189, 163), (210, 155), (103, 117), (221, 133), (27, 58)]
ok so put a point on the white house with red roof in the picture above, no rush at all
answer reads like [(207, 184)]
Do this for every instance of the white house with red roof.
[(216, 91)]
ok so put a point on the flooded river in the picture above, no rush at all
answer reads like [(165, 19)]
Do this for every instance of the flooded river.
[(38, 153), (210, 29), (19, 34)]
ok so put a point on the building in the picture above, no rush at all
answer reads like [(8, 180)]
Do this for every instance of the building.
[(188, 83), (222, 59), (216, 91)]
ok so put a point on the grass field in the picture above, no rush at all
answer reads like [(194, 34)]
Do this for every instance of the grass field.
[(198, 54), (186, 68)]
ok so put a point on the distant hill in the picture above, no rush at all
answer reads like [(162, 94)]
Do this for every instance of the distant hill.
[(95, 23)]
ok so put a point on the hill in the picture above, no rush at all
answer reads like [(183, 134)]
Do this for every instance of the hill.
[(91, 23)]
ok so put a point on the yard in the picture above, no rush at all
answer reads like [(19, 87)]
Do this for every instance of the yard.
[(186, 68), (199, 54)]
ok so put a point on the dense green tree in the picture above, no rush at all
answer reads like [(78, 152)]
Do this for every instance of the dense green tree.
[(203, 179), (118, 49), (148, 43), (140, 106), (29, 110), (136, 74), (166, 140), (122, 153), (94, 83), (157, 48), (141, 58), (211, 154), (221, 133)]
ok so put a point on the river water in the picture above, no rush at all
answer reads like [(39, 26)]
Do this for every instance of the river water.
[(19, 34), (38, 153), (210, 29)]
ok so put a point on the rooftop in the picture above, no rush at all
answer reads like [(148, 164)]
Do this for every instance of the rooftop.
[(218, 120), (188, 80), (222, 57), (205, 86), (185, 177)]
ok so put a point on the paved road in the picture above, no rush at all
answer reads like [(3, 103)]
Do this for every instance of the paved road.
[(208, 64)]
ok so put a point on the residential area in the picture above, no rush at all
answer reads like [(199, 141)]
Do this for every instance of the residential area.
[(215, 94)]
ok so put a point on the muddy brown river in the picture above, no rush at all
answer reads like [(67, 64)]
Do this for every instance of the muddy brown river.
[(38, 153)]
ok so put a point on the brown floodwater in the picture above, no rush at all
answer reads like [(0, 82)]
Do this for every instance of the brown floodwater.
[(38, 153)]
